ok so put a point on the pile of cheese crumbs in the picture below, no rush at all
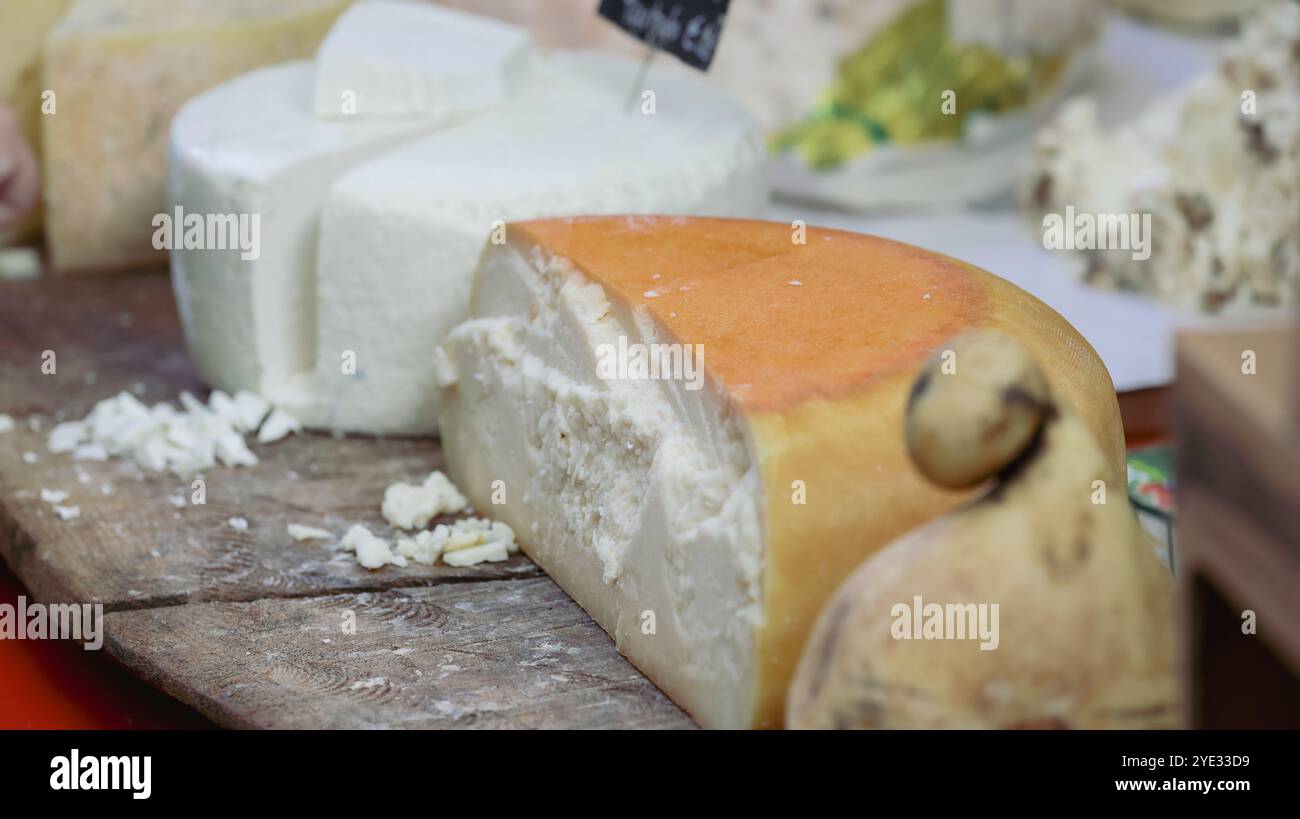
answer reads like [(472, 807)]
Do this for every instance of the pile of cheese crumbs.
[(465, 542), (184, 441)]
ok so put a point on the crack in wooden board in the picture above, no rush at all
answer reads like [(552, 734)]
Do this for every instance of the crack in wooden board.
[(485, 655), (165, 574)]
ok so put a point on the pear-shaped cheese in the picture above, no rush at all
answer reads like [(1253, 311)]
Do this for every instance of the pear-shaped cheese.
[(704, 508)]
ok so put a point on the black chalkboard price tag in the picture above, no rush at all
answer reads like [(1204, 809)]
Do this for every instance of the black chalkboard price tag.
[(687, 29)]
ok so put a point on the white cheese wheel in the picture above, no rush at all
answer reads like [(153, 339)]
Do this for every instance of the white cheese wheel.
[(401, 234), (252, 148)]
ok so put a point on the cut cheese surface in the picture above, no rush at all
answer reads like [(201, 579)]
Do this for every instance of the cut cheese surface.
[(252, 147), (120, 69), (400, 235), (390, 58), (723, 516)]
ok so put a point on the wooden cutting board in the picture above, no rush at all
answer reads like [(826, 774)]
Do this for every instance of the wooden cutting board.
[(250, 627)]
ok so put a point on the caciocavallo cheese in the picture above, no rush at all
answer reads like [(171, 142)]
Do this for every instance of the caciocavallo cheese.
[(704, 521), (400, 234), (120, 69)]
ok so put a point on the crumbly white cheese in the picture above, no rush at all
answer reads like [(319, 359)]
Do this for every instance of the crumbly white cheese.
[(65, 437), (238, 524), (6, 423), (53, 495), (1219, 183), (253, 147), (299, 532), (412, 506), (372, 551), (90, 452), (473, 555), (277, 425), (400, 235), (162, 438), (392, 59), (463, 543), (66, 513)]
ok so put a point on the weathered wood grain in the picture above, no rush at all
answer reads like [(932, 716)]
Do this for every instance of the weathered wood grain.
[(496, 654), (1239, 536), (234, 622), (132, 547)]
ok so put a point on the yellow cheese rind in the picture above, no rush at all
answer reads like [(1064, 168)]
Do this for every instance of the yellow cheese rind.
[(816, 345), (862, 489), (120, 69)]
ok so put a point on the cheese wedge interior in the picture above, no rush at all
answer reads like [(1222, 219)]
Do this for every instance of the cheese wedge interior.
[(702, 519)]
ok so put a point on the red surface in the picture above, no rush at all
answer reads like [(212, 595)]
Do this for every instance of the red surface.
[(58, 684)]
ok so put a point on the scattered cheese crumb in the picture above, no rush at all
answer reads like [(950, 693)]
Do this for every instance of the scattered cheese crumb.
[(652, 294), (177, 500), (373, 682), (796, 282), (90, 452), (491, 552), (278, 425), (6, 423), (53, 495), (372, 552), (252, 409), (19, 263), (30, 457), (407, 506), (426, 547), (463, 543), (66, 436), (299, 532), (238, 524), (162, 438), (67, 512)]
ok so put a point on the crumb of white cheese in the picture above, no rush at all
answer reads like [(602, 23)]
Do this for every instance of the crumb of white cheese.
[(410, 506), (426, 547), (488, 552), (67, 512), (66, 436), (372, 552), (462, 543), (90, 452), (53, 495), (278, 425), (6, 423), (238, 524), (30, 457), (161, 437), (299, 532)]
